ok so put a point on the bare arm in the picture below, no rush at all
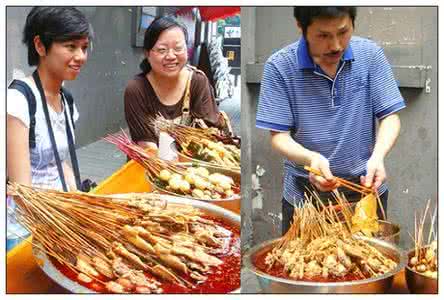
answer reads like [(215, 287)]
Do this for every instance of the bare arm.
[(18, 163), (283, 143), (149, 145), (388, 132), (69, 176)]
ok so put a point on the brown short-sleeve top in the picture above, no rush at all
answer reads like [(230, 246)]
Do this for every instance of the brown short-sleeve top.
[(142, 104)]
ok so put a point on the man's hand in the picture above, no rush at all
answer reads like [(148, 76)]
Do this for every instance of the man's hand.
[(375, 172), (326, 183), (388, 131)]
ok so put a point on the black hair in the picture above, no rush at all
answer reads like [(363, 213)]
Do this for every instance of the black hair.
[(305, 14), (53, 24), (152, 33)]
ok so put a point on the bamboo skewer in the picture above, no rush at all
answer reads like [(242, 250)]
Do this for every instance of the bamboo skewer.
[(315, 229), (66, 224), (348, 184), (152, 164), (182, 133)]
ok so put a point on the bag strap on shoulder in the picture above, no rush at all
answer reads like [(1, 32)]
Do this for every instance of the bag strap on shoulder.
[(23, 88), (70, 101), (187, 98)]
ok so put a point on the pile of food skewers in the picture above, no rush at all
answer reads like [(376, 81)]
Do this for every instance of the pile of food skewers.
[(122, 244), (194, 182), (425, 256), (321, 246), (203, 144), (364, 217)]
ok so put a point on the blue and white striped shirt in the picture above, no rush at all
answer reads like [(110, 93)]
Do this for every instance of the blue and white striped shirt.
[(335, 117)]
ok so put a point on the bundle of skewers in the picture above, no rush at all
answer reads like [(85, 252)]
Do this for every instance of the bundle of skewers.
[(203, 144), (320, 246), (122, 244), (194, 182), (364, 218), (424, 258)]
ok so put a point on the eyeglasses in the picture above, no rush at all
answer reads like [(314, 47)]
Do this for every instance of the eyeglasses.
[(162, 51)]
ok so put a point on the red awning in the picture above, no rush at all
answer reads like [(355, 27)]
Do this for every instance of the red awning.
[(213, 13)]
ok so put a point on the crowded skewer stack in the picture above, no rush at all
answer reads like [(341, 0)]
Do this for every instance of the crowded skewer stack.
[(194, 181), (204, 144), (125, 244), (425, 256), (364, 218), (320, 245)]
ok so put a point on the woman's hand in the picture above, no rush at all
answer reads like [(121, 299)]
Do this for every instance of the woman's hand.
[(326, 183), (70, 179)]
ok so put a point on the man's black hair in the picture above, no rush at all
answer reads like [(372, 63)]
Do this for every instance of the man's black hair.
[(305, 14), (53, 24), (152, 33)]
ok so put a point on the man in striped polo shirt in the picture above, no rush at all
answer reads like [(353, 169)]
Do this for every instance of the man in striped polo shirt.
[(330, 101)]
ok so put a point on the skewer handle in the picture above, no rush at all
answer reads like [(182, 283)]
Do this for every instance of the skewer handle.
[(350, 185)]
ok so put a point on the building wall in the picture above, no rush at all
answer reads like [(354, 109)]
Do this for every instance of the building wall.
[(411, 165)]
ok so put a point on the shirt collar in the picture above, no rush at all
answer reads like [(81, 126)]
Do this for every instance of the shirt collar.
[(305, 60)]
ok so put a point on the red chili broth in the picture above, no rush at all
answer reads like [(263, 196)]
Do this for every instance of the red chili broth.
[(223, 279), (278, 271)]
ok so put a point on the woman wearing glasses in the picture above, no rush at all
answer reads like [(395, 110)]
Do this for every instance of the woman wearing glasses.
[(167, 86)]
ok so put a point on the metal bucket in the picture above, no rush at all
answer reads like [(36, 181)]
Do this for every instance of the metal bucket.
[(276, 285), (388, 232), (419, 283)]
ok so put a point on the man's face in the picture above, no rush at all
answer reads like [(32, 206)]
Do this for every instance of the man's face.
[(328, 38)]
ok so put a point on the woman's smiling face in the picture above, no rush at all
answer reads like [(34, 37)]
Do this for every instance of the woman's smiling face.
[(64, 60), (169, 54)]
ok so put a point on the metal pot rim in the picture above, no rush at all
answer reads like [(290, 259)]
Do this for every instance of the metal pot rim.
[(247, 260)]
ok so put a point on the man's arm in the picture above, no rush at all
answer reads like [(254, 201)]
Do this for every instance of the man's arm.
[(388, 132), (283, 143)]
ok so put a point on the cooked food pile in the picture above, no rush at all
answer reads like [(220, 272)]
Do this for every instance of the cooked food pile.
[(320, 247), (425, 257), (194, 182), (365, 218), (204, 144), (425, 260), (213, 152), (198, 183), (139, 244)]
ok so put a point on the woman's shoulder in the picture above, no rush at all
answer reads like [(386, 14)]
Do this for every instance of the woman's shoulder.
[(199, 77), (136, 83)]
